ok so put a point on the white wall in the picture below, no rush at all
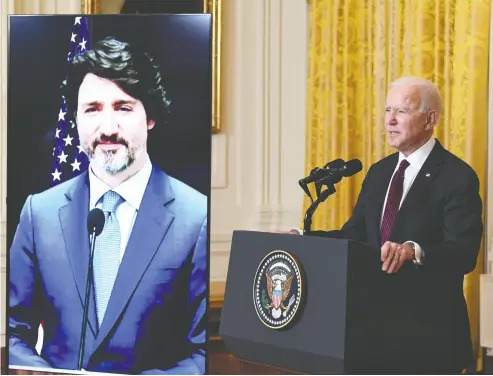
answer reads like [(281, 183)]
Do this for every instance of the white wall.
[(259, 158)]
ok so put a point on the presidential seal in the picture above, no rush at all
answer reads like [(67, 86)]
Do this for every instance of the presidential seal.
[(277, 289)]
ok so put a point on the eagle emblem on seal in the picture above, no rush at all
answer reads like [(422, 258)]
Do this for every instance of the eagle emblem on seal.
[(279, 279), (277, 289)]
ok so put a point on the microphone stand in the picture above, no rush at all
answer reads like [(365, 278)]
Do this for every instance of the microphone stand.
[(311, 210), (86, 302), (304, 185)]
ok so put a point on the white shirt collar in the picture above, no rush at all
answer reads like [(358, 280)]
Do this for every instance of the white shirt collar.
[(131, 190), (418, 158)]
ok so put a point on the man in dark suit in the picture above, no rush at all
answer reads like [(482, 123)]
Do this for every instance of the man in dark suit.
[(422, 206), (147, 310)]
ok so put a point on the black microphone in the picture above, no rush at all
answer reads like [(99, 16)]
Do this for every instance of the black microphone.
[(335, 175), (95, 222), (349, 168), (95, 225), (317, 172), (331, 174), (338, 163), (335, 168), (335, 163)]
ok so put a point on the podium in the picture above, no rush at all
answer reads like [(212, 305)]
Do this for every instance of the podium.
[(351, 318)]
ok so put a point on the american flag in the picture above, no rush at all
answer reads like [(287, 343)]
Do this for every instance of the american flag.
[(68, 158)]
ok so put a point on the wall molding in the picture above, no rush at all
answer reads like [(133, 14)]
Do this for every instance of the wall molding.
[(220, 244), (219, 161), (269, 219), (283, 115), (265, 60)]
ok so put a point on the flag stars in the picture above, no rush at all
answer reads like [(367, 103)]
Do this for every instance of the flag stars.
[(63, 157), (68, 140), (75, 165), (56, 174)]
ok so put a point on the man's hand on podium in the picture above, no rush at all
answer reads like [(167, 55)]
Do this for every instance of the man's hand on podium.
[(394, 255), (293, 231)]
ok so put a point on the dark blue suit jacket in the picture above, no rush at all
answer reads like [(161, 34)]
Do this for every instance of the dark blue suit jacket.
[(155, 322)]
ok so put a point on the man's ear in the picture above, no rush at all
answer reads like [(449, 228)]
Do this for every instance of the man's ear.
[(150, 124), (431, 120)]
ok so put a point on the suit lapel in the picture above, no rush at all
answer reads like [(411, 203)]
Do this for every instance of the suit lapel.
[(151, 225), (427, 173), (73, 218)]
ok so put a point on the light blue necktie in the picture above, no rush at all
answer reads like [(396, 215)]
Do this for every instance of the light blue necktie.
[(107, 253)]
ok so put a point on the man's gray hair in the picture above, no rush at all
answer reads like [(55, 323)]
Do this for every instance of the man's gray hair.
[(429, 95)]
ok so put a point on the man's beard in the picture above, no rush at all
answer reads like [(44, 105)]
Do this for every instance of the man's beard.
[(113, 161)]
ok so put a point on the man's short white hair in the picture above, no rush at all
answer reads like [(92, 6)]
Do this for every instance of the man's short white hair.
[(429, 95)]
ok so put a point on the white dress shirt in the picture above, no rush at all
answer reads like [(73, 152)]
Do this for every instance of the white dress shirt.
[(131, 190), (416, 161)]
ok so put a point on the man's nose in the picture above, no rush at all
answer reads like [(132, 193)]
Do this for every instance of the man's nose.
[(108, 125), (391, 118)]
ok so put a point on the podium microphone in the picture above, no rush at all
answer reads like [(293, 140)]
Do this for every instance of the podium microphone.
[(329, 176), (95, 224), (335, 174), (317, 173)]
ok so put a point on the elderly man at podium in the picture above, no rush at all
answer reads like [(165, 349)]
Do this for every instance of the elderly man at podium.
[(421, 206)]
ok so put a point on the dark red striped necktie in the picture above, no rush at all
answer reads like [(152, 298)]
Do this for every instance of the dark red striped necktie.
[(393, 201)]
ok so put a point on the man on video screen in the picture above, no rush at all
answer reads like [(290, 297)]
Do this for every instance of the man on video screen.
[(147, 301)]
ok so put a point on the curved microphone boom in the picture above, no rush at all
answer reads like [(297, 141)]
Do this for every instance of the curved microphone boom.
[(304, 185), (317, 173), (307, 223), (332, 173), (95, 225)]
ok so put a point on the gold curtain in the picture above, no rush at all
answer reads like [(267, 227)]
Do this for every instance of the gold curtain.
[(356, 48)]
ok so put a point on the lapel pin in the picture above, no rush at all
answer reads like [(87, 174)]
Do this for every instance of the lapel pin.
[(427, 175)]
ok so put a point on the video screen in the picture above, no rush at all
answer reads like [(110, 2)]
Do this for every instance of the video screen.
[(109, 153)]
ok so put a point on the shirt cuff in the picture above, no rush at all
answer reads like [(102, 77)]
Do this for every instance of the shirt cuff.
[(419, 255), (297, 230)]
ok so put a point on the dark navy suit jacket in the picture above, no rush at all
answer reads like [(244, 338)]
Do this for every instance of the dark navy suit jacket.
[(155, 322)]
